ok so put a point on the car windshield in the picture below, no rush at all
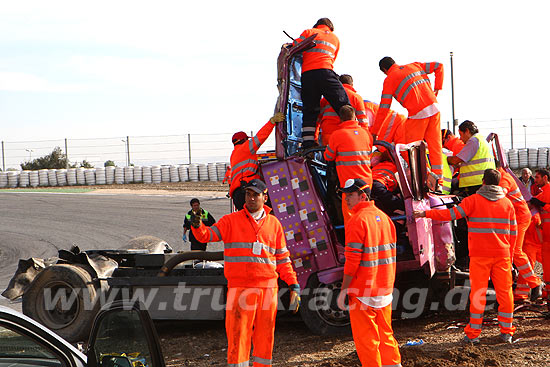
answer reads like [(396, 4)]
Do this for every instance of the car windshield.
[(16, 346)]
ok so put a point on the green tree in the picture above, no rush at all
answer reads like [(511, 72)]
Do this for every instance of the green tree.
[(56, 159), (109, 163), (86, 164)]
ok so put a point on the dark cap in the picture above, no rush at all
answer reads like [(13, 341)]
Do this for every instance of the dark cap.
[(241, 135), (355, 184), (256, 185)]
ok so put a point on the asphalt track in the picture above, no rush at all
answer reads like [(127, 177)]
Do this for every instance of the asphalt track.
[(38, 224)]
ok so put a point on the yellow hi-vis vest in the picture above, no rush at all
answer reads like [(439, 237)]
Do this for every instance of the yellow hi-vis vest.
[(447, 176), (471, 172)]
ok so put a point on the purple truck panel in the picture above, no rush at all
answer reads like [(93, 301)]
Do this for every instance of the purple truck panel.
[(305, 222)]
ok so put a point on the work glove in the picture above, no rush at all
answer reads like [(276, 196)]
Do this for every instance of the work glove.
[(308, 144), (295, 299), (184, 238), (536, 202), (278, 117), (196, 220)]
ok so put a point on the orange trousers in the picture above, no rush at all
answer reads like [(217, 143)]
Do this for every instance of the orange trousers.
[(373, 334), (527, 278), (429, 130), (500, 272), (545, 252), (250, 317)]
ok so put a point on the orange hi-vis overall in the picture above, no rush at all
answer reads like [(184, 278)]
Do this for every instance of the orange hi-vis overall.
[(544, 196), (391, 129), (255, 254), (329, 121), (492, 232), (410, 86), (527, 278), (244, 161), (454, 144), (371, 262), (324, 53), (350, 148), (532, 244)]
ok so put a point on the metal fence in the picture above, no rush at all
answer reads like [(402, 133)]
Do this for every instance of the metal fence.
[(125, 150), (217, 147)]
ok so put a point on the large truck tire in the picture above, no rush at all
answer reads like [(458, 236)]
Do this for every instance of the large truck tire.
[(63, 298), (320, 311)]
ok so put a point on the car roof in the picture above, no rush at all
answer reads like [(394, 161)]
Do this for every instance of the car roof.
[(8, 311)]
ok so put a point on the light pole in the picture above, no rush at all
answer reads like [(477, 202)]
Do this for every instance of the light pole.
[(525, 135), (30, 153), (125, 152)]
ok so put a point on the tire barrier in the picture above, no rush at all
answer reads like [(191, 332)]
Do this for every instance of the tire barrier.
[(43, 178), (156, 174), (24, 179), (128, 174), (89, 174), (61, 176), (523, 157), (184, 173), (533, 154), (52, 177), (146, 174), (100, 176), (120, 175), (194, 172), (71, 176), (543, 158), (138, 174), (3, 179), (174, 174), (203, 172)]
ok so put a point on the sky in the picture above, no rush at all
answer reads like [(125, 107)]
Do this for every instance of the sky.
[(104, 69)]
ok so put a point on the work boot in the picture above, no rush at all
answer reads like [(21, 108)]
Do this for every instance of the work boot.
[(470, 341), (536, 293), (506, 338)]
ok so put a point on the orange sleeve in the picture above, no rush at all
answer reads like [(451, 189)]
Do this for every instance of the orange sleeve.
[(355, 245), (513, 228), (456, 212), (256, 141), (385, 104), (213, 233)]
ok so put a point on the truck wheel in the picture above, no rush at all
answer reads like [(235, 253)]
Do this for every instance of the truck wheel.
[(63, 298), (320, 311)]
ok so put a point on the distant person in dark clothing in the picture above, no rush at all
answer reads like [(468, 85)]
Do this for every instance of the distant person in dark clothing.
[(206, 218)]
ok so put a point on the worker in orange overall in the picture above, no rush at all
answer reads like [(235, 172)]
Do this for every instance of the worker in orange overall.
[(527, 281), (350, 147), (451, 142), (542, 202), (244, 160), (329, 121), (369, 276), (255, 255), (391, 129), (491, 236), (410, 86), (318, 77), (384, 184), (532, 244)]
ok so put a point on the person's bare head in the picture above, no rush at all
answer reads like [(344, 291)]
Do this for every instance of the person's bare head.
[(346, 79), (347, 113), (466, 130), (324, 21), (491, 177), (542, 177), (385, 64), (526, 173)]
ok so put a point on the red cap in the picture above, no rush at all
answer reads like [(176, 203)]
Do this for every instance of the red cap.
[(241, 135)]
